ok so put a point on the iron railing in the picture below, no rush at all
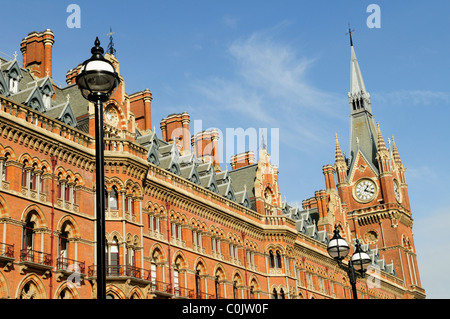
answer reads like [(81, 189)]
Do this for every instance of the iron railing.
[(35, 256)]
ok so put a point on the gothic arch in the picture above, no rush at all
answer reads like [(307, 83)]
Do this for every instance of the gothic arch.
[(200, 265), (237, 276), (69, 224), (255, 283), (136, 293), (4, 289), (220, 271), (180, 259), (113, 181), (4, 209), (66, 291), (31, 287), (157, 253), (37, 216), (115, 291), (110, 237)]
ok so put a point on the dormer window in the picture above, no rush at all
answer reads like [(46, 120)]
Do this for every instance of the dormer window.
[(47, 99), (13, 85)]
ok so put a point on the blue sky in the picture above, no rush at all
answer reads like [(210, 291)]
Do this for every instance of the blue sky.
[(282, 65)]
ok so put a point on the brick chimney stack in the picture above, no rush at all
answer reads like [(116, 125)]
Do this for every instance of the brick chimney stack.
[(36, 50), (205, 146), (175, 128), (242, 159), (141, 106)]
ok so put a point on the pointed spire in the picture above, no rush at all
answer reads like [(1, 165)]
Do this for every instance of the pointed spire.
[(381, 145), (395, 153), (349, 31), (356, 80), (338, 158)]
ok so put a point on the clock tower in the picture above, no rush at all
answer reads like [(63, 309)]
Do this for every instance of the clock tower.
[(371, 182)]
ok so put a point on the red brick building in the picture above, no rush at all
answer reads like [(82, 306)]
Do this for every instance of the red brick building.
[(178, 226)]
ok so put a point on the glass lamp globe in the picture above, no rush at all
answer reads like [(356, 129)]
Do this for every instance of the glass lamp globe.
[(360, 259), (97, 78), (337, 247)]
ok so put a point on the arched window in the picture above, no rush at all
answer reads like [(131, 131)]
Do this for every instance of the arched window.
[(235, 290), (217, 287), (64, 245), (252, 292), (278, 260), (28, 234), (113, 257), (282, 293), (3, 168), (271, 259), (197, 284), (113, 199), (176, 280), (274, 294)]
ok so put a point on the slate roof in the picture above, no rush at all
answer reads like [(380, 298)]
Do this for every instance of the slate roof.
[(71, 108)]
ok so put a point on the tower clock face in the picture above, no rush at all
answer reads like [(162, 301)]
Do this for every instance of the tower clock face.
[(111, 116), (397, 191), (365, 190)]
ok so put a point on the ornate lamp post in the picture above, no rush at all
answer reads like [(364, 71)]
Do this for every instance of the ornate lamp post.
[(97, 80), (338, 249)]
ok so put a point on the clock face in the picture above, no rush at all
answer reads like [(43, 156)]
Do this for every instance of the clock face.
[(396, 191), (365, 190), (111, 116)]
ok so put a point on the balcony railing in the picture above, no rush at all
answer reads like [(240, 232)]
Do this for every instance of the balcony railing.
[(67, 264), (38, 257), (160, 286), (7, 250), (121, 270), (204, 295), (183, 292)]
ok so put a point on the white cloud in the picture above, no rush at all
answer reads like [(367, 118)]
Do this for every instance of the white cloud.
[(270, 87)]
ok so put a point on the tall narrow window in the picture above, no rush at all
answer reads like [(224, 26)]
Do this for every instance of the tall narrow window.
[(197, 284), (113, 199), (217, 287), (235, 290), (153, 271), (176, 280), (271, 259), (28, 235), (278, 260), (64, 245), (114, 257), (274, 294), (3, 169)]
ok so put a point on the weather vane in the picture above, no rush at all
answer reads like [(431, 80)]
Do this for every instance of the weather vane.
[(349, 31), (110, 48)]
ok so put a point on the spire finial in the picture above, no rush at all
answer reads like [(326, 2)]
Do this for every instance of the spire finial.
[(110, 48), (349, 31)]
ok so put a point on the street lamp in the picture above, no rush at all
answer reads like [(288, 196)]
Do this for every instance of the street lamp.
[(96, 80), (338, 249)]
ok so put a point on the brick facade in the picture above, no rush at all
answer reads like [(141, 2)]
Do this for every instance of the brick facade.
[(176, 227)]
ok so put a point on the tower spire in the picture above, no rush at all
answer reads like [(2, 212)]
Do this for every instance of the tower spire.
[(349, 32), (363, 135)]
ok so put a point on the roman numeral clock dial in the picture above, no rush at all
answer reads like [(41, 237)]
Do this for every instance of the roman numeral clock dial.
[(365, 190)]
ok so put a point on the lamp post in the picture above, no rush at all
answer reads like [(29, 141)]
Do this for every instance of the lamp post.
[(96, 80), (338, 249)]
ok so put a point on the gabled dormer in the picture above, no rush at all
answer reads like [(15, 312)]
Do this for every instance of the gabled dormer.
[(63, 113), (47, 92), (4, 88), (35, 101), (13, 76)]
